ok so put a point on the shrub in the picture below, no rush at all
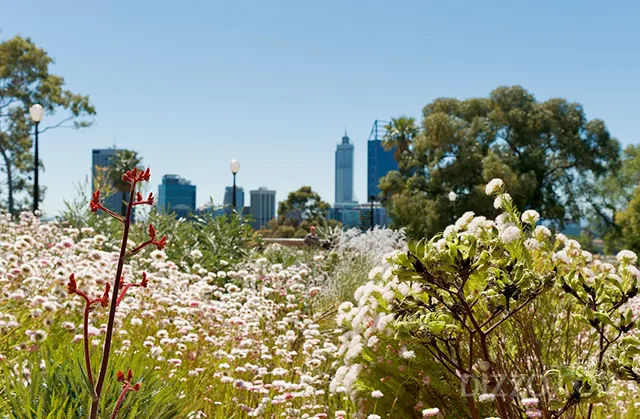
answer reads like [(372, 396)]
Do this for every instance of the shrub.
[(525, 323)]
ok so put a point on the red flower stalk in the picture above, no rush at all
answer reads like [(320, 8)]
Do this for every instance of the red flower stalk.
[(133, 177), (96, 205), (126, 386), (72, 288), (126, 287), (159, 244), (140, 201)]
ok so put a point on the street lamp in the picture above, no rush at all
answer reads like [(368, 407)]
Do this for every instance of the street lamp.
[(235, 167), (37, 113), (372, 198)]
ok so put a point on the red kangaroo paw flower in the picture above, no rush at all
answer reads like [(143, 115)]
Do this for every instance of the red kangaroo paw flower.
[(136, 386), (152, 232), (72, 285), (104, 300), (138, 196), (120, 376), (95, 201), (160, 244), (129, 375), (144, 282)]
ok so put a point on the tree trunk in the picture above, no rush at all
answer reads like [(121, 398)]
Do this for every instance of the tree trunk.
[(7, 163)]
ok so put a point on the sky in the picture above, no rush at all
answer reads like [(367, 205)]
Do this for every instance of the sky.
[(191, 85)]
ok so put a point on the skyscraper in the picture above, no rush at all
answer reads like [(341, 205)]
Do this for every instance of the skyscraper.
[(228, 197), (101, 158), (263, 207), (177, 195), (379, 161), (344, 172)]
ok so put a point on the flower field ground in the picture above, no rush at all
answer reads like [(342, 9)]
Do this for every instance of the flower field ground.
[(281, 333)]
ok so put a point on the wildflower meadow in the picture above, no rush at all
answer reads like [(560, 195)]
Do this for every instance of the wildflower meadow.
[(104, 317)]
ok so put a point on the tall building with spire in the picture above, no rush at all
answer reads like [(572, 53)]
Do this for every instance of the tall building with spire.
[(344, 172)]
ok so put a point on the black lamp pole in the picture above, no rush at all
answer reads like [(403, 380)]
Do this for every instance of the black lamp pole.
[(36, 188), (233, 199), (372, 198)]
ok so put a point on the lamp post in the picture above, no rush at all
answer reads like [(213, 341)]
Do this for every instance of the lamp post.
[(37, 113), (372, 198), (235, 167)]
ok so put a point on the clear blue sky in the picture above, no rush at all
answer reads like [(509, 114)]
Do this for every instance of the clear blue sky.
[(194, 84)]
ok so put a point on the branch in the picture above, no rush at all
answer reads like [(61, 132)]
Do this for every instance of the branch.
[(511, 314), (58, 125)]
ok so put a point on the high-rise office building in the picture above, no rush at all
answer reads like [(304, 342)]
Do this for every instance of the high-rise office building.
[(228, 197), (177, 195), (379, 161), (101, 158), (263, 207), (344, 172)]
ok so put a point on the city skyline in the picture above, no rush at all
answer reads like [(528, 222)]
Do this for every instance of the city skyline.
[(271, 86)]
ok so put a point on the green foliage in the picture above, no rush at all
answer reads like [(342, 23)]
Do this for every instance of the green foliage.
[(48, 384), (399, 134), (301, 210), (25, 80), (542, 150), (209, 241), (607, 200), (497, 303)]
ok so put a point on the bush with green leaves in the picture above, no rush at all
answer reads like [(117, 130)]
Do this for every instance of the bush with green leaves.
[(523, 324), (204, 241)]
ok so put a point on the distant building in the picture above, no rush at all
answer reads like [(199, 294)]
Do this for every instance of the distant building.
[(344, 172), (380, 218), (177, 195), (263, 207), (359, 215), (379, 161), (103, 158), (228, 197), (347, 215)]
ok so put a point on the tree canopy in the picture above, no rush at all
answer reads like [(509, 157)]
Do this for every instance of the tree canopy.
[(122, 161), (25, 79), (544, 151), (302, 209)]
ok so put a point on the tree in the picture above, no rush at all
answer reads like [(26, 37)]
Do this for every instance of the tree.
[(606, 199), (25, 80), (398, 137), (302, 209), (122, 162), (544, 151)]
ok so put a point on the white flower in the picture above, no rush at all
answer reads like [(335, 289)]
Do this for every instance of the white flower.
[(426, 413), (486, 397), (406, 354), (493, 186), (452, 196), (449, 230), (375, 272), (376, 394), (373, 416), (464, 221), (531, 402), (542, 231), (158, 255), (532, 244), (510, 234), (501, 200), (627, 256), (530, 217)]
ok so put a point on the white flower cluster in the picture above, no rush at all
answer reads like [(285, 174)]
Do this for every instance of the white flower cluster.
[(254, 339)]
